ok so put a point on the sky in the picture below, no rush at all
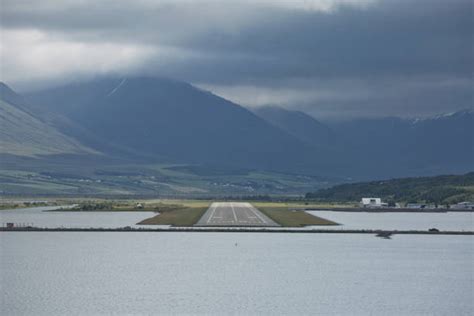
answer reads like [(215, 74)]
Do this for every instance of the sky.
[(330, 58)]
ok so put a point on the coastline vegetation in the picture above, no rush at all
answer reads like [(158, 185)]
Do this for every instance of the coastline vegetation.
[(443, 190)]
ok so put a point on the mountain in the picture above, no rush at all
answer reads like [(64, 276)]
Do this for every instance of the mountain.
[(299, 124), (7, 95), (440, 189), (441, 144), (24, 134), (158, 120), (386, 147), (173, 121)]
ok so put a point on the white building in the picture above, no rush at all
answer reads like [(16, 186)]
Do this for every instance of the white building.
[(372, 202)]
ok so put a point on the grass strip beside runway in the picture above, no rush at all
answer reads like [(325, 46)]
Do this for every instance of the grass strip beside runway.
[(187, 216), (291, 218)]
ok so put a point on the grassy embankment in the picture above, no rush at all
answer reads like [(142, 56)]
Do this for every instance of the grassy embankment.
[(292, 218), (184, 216)]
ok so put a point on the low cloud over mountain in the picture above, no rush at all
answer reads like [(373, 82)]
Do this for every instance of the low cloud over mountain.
[(330, 58)]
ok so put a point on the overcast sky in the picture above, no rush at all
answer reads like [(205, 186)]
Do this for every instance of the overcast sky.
[(331, 58)]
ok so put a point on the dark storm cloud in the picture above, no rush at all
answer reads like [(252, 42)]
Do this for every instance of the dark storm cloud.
[(388, 39), (327, 57)]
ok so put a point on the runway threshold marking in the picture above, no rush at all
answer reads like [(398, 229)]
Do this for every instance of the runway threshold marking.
[(225, 214), (233, 211), (258, 215), (212, 213)]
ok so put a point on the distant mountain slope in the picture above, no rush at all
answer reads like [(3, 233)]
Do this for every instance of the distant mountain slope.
[(23, 134), (162, 120), (440, 189), (159, 117), (387, 147), (9, 96), (443, 144), (299, 124)]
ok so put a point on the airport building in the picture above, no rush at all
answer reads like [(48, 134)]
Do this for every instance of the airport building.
[(372, 202)]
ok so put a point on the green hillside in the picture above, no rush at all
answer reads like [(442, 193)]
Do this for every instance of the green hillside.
[(440, 189), (24, 134)]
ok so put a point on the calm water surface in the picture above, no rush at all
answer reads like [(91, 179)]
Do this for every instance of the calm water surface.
[(234, 273), (399, 221), (40, 217)]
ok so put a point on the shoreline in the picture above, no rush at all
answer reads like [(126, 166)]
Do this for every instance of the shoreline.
[(385, 210), (237, 230)]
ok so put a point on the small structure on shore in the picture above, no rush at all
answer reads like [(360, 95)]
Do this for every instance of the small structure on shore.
[(422, 206), (372, 202), (416, 206)]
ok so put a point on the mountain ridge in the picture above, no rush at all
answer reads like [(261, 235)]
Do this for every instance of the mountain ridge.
[(169, 121), (175, 120), (299, 124)]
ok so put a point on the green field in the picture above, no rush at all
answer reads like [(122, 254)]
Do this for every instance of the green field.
[(292, 218), (186, 216), (89, 177)]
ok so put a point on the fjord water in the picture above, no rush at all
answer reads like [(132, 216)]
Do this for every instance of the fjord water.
[(455, 221), (42, 217), (47, 273)]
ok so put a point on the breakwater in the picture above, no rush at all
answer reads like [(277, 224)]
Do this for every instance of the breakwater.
[(237, 230)]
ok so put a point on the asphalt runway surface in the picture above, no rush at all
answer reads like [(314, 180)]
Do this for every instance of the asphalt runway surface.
[(234, 214)]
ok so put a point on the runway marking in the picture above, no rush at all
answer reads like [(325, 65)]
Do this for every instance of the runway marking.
[(233, 211), (212, 213), (234, 214), (256, 214)]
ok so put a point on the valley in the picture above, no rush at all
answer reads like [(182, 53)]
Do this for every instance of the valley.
[(101, 178)]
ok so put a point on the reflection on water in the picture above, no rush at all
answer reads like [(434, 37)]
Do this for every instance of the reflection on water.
[(245, 273)]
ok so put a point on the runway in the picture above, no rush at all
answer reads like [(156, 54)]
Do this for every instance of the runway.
[(234, 214)]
